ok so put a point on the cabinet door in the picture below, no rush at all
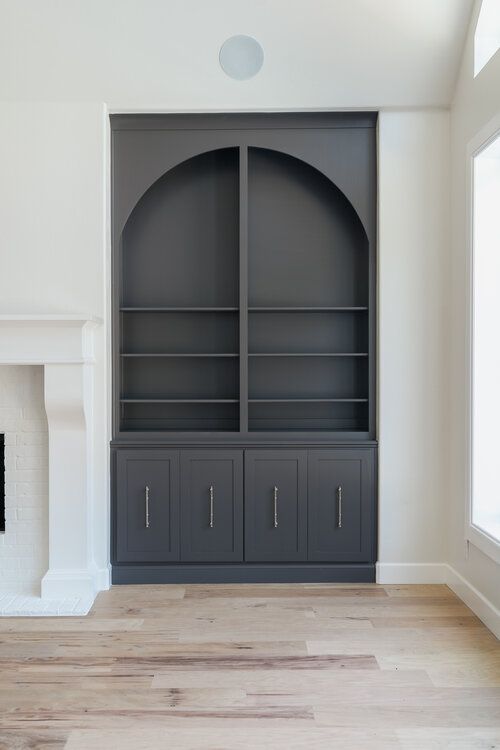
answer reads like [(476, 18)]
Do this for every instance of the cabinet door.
[(341, 495), (275, 505), (147, 506), (211, 506)]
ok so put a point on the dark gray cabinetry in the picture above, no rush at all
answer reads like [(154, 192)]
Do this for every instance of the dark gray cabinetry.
[(340, 509), (275, 505), (244, 347), (211, 506), (147, 505)]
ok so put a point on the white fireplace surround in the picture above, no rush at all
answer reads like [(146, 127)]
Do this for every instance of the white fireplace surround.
[(64, 346)]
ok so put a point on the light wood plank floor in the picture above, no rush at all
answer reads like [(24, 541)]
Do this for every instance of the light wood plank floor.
[(334, 667)]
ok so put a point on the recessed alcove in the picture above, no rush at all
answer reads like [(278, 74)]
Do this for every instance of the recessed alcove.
[(244, 348), (298, 334)]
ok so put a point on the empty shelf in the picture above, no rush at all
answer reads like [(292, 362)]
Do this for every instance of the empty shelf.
[(179, 309), (307, 400), (180, 354), (307, 354), (179, 400), (307, 309)]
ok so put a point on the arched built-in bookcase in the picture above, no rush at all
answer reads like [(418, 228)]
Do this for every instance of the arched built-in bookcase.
[(244, 262)]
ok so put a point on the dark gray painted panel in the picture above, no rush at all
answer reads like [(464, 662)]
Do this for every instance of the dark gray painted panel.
[(275, 530), (347, 155), (147, 520), (341, 502), (244, 573), (211, 506)]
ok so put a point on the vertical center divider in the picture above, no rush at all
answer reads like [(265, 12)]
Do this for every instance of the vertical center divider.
[(243, 289)]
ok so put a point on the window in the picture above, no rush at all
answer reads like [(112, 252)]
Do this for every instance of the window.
[(487, 34), (485, 350)]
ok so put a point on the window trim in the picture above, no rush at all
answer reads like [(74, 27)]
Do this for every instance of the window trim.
[(474, 534)]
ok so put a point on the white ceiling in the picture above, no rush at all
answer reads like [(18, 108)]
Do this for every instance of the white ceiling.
[(164, 53)]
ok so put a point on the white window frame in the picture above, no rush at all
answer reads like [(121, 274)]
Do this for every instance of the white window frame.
[(486, 35), (474, 534)]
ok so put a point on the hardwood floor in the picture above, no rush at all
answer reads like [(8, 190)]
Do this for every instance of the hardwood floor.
[(333, 667)]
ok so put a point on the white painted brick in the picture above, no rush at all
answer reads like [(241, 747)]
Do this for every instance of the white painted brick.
[(26, 475), (29, 514), (33, 425), (28, 538), (23, 546), (32, 438), (30, 462), (32, 501), (34, 412), (30, 488), (12, 563), (27, 451), (10, 412)]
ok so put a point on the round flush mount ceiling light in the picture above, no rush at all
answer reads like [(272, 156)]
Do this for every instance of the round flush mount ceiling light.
[(241, 57)]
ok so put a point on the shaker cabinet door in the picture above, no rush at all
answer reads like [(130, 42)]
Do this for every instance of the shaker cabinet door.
[(275, 505), (147, 506), (341, 501), (211, 506)]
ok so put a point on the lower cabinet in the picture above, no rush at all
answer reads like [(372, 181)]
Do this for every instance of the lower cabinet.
[(275, 505), (341, 511), (212, 506), (265, 507), (147, 505)]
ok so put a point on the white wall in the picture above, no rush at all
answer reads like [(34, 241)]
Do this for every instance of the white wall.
[(53, 209), (413, 242), (476, 102)]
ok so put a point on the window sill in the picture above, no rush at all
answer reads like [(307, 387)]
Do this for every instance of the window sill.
[(484, 542)]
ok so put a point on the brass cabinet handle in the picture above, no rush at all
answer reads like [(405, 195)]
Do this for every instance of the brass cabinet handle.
[(211, 521), (339, 505), (275, 496), (147, 506)]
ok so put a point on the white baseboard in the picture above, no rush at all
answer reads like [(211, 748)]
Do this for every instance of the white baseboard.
[(477, 602), (411, 573)]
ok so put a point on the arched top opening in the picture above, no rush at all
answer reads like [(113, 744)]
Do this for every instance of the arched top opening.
[(307, 245), (180, 243)]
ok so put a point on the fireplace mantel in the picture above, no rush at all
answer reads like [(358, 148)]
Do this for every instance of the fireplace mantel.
[(64, 346)]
